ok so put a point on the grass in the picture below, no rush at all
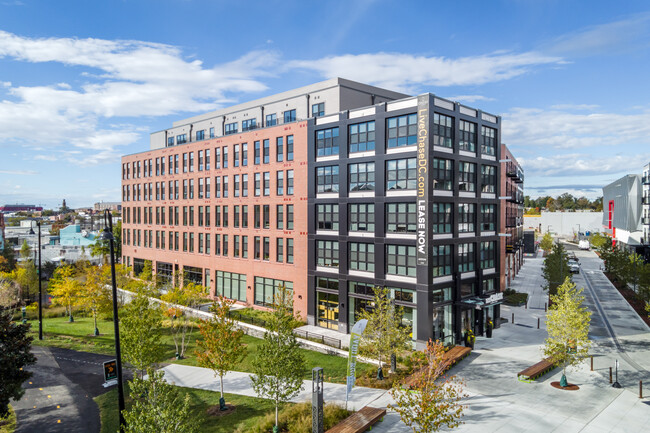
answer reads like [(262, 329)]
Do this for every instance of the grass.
[(8, 425), (58, 332)]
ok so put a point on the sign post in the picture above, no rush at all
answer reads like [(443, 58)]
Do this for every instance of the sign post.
[(355, 338), (110, 373)]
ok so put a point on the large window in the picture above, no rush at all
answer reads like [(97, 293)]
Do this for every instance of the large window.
[(265, 290), (465, 257), (289, 116), (441, 218), (327, 216), (362, 137), (467, 136), (489, 140), (401, 218), (327, 254), (266, 151), (231, 128), (247, 125), (271, 119), (279, 149), (402, 131), (441, 260), (362, 217), (401, 174), (488, 217), (327, 142), (327, 179), (466, 176), (466, 217), (487, 254), (318, 110), (488, 178), (362, 176), (443, 128), (231, 285), (443, 174), (289, 147), (279, 182), (362, 256), (400, 260)]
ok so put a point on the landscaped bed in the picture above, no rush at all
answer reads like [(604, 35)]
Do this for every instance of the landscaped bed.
[(632, 298)]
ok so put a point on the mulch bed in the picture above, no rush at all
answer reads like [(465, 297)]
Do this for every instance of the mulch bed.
[(569, 387), (214, 410), (632, 298)]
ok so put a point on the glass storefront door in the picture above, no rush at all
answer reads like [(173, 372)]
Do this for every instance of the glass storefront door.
[(443, 324), (328, 310)]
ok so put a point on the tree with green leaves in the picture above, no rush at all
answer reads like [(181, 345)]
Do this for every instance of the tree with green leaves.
[(555, 268), (146, 273), (433, 401), (117, 240), (597, 240), (221, 347), (101, 248), (158, 407), (279, 365), (190, 296), (94, 295), (140, 331), (15, 355), (547, 242), (9, 262), (567, 324), (65, 289), (384, 334)]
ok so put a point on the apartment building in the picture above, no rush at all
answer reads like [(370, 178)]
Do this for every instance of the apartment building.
[(512, 216), (645, 201)]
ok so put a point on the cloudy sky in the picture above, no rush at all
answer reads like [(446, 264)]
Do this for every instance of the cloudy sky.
[(84, 82)]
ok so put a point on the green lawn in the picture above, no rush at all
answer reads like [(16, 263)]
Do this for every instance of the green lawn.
[(249, 412), (58, 332)]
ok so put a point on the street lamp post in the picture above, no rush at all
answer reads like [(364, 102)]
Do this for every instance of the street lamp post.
[(40, 287), (108, 235)]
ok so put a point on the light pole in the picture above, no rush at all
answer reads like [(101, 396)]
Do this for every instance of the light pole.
[(40, 288), (108, 235), (548, 228)]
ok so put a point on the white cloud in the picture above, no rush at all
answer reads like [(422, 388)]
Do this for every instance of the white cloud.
[(19, 172), (403, 71), (45, 158), (582, 164), (575, 106)]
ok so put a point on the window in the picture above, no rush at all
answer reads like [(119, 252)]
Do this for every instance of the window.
[(225, 157), (266, 216), (235, 187), (225, 187), (217, 186), (230, 128), (289, 182), (200, 160), (489, 140), (217, 245), (267, 151), (247, 125), (265, 290), (401, 218), (289, 116), (235, 246), (362, 137), (180, 139), (279, 182), (318, 110), (362, 176), (327, 254), (184, 241), (466, 217), (256, 248), (244, 216), (185, 163), (327, 179), (225, 216), (467, 136), (465, 257), (201, 187), (271, 119), (290, 250), (488, 217), (191, 215), (225, 245), (266, 244), (327, 142), (327, 216), (244, 185), (244, 247), (443, 128), (217, 215), (256, 153), (191, 242), (207, 216), (402, 131), (362, 257), (192, 188), (441, 218), (488, 178), (212, 132), (289, 217), (235, 216), (267, 183), (441, 260), (279, 216), (401, 174), (175, 164), (231, 285), (235, 155), (279, 250), (217, 158), (362, 217), (191, 162), (257, 217), (487, 254), (170, 141), (466, 176), (244, 154), (400, 260), (442, 174), (258, 180), (289, 147), (279, 149)]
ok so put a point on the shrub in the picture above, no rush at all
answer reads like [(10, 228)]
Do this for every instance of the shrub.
[(296, 418)]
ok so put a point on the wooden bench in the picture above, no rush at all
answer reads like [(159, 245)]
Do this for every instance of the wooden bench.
[(533, 372), (359, 421), (449, 359)]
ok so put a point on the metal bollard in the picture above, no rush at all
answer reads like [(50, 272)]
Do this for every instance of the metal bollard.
[(526, 305), (640, 389), (610, 374), (538, 323), (592, 362), (513, 318), (545, 306)]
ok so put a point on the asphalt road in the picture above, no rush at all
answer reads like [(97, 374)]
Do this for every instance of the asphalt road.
[(59, 396)]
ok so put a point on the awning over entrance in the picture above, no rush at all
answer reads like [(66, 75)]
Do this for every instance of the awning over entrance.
[(478, 302)]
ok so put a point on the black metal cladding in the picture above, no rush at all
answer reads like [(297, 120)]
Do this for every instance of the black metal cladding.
[(424, 284)]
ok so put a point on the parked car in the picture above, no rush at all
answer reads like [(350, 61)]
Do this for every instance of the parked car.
[(584, 245), (574, 268)]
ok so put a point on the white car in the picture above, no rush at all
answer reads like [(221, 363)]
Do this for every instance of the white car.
[(584, 245), (574, 268)]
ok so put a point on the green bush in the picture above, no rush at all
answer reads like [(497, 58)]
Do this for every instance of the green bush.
[(296, 418), (512, 297)]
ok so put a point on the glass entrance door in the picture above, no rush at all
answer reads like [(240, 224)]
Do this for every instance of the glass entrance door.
[(328, 310)]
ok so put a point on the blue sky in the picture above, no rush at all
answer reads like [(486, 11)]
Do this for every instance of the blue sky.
[(84, 82)]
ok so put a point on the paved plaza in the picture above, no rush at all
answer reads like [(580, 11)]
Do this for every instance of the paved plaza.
[(498, 402)]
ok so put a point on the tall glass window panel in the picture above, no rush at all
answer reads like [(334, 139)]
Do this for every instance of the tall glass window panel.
[(443, 174), (488, 135), (402, 131), (467, 139), (362, 256), (488, 217), (400, 260), (488, 178), (441, 218), (441, 260), (327, 179), (327, 142), (466, 217), (487, 254), (466, 176), (327, 216), (362, 176), (401, 174), (362, 137), (327, 254), (443, 130), (466, 257), (401, 218)]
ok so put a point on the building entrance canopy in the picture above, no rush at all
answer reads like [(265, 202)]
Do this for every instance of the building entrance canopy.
[(479, 302)]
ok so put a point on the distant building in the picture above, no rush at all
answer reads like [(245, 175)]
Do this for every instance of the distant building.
[(622, 210), (645, 201), (565, 224), (20, 208), (108, 205), (511, 216), (73, 235)]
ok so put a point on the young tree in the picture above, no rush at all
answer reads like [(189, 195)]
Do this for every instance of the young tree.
[(279, 366), (101, 248), (9, 293), (140, 331), (221, 347), (147, 271), (25, 251), (555, 268), (117, 242), (434, 400), (190, 296), (15, 355), (547, 242), (567, 324), (9, 262), (65, 288), (158, 407), (597, 240), (94, 294), (384, 334)]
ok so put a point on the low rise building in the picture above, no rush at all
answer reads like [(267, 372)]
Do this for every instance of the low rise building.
[(622, 204)]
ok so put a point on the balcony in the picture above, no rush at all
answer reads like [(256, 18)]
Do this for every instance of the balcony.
[(646, 179), (515, 172), (645, 200), (510, 249)]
